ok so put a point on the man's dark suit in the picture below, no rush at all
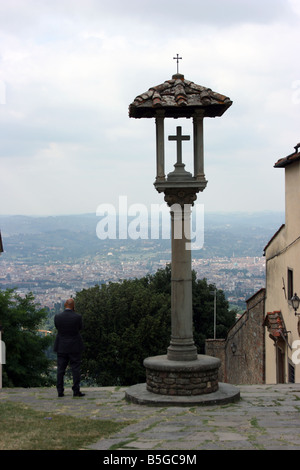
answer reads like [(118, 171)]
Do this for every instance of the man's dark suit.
[(68, 346)]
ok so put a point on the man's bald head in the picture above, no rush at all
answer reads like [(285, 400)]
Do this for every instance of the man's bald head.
[(70, 304)]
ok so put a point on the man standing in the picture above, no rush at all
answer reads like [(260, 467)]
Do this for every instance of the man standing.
[(68, 346)]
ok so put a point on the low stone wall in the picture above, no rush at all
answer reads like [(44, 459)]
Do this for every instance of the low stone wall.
[(182, 378), (242, 353), (216, 348)]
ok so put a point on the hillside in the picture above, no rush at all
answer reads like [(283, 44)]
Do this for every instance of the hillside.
[(73, 237)]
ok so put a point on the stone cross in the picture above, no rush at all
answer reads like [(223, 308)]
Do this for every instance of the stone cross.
[(177, 60), (179, 138)]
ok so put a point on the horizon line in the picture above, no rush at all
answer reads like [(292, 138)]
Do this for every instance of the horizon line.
[(222, 212)]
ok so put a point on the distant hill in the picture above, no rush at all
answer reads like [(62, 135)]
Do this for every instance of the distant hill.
[(239, 234), (23, 224), (73, 237)]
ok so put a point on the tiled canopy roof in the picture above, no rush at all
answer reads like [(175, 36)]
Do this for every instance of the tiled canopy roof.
[(179, 98), (282, 162), (275, 324)]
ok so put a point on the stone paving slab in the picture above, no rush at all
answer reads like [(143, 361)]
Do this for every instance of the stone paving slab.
[(267, 417)]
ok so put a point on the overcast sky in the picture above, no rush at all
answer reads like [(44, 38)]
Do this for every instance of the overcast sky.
[(70, 68)]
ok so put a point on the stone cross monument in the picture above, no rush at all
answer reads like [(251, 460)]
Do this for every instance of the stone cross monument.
[(182, 375)]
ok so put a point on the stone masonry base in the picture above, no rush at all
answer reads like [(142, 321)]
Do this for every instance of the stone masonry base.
[(182, 378)]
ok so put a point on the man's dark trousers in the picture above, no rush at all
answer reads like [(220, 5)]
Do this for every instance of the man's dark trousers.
[(63, 359)]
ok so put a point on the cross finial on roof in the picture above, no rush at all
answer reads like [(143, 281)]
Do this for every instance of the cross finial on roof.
[(177, 59)]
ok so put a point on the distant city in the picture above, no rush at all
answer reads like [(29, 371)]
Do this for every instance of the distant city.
[(54, 257)]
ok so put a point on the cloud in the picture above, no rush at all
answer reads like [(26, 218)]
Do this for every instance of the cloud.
[(70, 69), (174, 12)]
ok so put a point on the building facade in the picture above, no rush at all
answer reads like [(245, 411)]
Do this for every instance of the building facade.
[(282, 282), (264, 344)]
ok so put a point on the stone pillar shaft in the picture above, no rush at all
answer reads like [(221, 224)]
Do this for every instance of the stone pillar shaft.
[(160, 148), (198, 146), (182, 347)]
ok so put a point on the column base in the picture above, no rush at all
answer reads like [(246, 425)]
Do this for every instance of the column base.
[(139, 395), (182, 378), (182, 352)]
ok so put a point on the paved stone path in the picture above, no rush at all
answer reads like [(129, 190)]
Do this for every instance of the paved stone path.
[(266, 417)]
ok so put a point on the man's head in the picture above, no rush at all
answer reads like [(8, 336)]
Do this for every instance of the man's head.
[(70, 304)]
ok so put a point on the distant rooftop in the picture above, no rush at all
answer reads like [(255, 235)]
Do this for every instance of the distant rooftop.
[(179, 97), (282, 162)]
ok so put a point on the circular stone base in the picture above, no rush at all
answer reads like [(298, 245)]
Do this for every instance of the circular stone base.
[(139, 394), (197, 377)]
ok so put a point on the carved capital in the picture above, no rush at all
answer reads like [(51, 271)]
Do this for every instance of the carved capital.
[(180, 196)]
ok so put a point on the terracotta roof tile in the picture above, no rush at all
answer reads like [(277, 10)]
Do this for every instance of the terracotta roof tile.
[(179, 97), (275, 324), (282, 162)]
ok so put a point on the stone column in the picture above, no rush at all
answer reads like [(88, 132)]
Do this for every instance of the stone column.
[(160, 146), (198, 145), (182, 347)]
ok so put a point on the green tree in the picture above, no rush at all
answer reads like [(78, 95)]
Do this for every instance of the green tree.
[(26, 362), (125, 322)]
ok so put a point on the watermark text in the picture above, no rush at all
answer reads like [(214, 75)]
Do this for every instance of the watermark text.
[(138, 222)]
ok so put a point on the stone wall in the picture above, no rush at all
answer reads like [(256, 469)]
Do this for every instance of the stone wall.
[(216, 348), (242, 353)]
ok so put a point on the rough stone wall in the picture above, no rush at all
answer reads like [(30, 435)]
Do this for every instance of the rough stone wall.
[(216, 348), (243, 355), (182, 383)]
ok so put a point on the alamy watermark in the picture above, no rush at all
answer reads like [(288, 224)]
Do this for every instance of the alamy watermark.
[(138, 222), (296, 354)]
